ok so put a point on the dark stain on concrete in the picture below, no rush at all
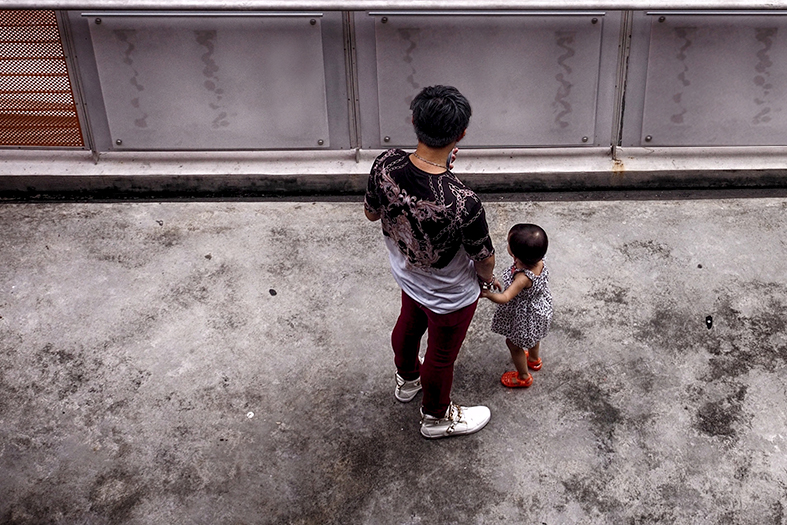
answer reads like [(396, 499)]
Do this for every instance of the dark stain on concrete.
[(743, 468), (177, 475), (214, 286), (166, 236), (719, 418), (611, 293), (647, 380), (140, 377), (456, 478), (571, 322), (115, 494), (116, 241), (589, 492), (653, 516), (288, 248), (738, 343), (670, 328), (612, 308), (301, 326), (67, 370), (588, 397), (777, 513), (366, 462), (578, 213), (646, 250), (42, 504)]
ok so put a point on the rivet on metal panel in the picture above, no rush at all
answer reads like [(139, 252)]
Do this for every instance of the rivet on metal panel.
[(118, 142), (384, 20), (312, 21), (98, 20), (584, 139), (648, 138), (594, 21), (320, 142), (662, 19), (387, 139)]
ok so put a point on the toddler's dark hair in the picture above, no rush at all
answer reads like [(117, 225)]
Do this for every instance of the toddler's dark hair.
[(528, 243), (440, 115)]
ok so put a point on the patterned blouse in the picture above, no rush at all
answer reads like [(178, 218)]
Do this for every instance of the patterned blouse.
[(526, 318), (430, 217)]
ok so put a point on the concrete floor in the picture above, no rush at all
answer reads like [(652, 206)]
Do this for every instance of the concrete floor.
[(229, 363)]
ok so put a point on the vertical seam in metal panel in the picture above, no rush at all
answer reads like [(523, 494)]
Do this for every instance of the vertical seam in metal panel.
[(69, 52), (351, 68), (624, 50)]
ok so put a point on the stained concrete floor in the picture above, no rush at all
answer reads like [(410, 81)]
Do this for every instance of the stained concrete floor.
[(229, 363)]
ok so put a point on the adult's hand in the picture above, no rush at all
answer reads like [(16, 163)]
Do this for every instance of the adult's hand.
[(486, 272)]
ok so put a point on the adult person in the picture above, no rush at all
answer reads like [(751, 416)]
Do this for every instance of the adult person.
[(439, 248)]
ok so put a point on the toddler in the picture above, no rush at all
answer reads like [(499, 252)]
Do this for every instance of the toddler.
[(524, 310)]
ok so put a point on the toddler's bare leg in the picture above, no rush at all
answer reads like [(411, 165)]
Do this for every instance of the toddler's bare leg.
[(533, 352), (519, 357)]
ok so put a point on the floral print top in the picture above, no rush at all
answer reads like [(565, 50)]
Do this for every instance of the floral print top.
[(429, 217), (526, 318)]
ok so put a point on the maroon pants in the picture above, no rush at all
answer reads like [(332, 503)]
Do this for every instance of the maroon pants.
[(446, 332)]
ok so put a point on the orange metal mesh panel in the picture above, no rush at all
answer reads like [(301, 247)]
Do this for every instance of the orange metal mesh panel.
[(36, 102)]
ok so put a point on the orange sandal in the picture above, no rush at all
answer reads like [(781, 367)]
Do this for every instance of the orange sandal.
[(511, 380), (534, 365)]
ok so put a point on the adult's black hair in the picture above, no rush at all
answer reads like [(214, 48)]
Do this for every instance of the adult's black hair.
[(440, 115), (528, 243)]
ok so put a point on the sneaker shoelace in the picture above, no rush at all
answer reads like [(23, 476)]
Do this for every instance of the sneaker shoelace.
[(455, 415), (414, 383)]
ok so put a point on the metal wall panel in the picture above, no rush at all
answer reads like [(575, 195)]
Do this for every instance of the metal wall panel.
[(716, 80), (532, 80), (212, 82)]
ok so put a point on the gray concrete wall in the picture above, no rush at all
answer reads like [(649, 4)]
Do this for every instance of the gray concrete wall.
[(33, 174)]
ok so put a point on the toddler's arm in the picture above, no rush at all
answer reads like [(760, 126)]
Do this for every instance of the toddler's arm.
[(521, 281)]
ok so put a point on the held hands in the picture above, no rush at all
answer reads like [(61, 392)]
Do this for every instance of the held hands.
[(489, 287)]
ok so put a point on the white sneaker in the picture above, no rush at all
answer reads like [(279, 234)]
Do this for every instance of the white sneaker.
[(406, 390), (457, 421)]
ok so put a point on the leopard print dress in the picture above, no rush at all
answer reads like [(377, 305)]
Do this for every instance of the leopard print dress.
[(525, 319)]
